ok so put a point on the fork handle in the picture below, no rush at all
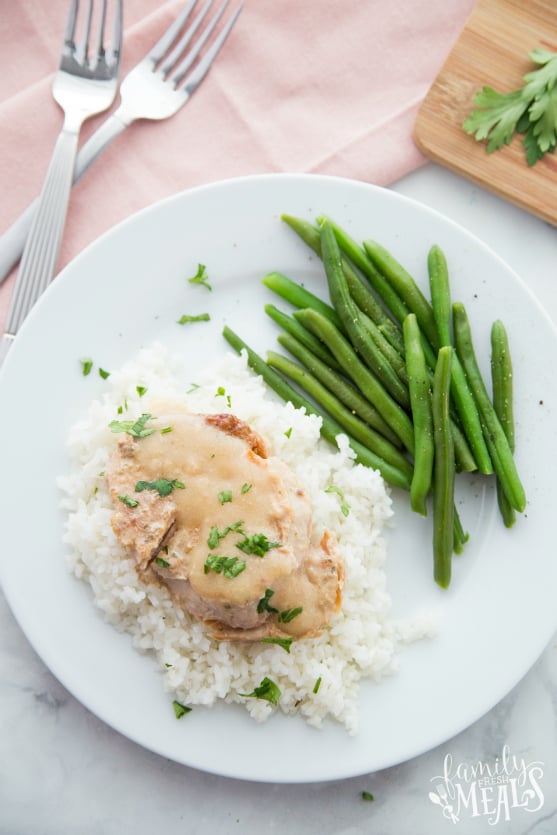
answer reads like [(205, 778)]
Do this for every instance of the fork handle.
[(12, 241), (41, 250)]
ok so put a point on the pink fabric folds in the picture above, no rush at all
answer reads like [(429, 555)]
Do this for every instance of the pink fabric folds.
[(319, 86)]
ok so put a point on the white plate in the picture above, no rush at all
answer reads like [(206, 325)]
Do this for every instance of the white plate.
[(127, 290)]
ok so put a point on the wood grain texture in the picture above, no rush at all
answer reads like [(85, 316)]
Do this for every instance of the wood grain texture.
[(491, 50)]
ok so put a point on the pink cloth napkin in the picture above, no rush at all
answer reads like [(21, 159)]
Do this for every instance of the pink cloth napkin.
[(319, 86)]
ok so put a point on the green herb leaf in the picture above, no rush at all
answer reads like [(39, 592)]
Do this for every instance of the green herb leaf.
[(229, 567), (215, 535), (285, 643), (162, 485), (225, 496), (180, 710), (86, 366), (288, 432), (256, 543), (141, 390), (367, 796), (263, 605), (201, 277), (162, 563), (127, 501), (165, 430), (201, 317), (267, 690), (104, 374), (221, 392), (317, 685), (245, 488), (344, 506), (135, 428), (531, 109), (289, 614)]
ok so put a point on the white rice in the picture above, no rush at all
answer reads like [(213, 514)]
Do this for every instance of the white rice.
[(196, 670)]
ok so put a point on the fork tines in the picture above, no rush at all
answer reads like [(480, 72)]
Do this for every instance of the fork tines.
[(100, 63), (193, 49)]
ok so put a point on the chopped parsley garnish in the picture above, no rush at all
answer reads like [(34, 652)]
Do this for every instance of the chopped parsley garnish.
[(86, 366), (201, 317), (367, 796), (162, 563), (215, 535), (289, 614), (256, 543), (180, 710), (245, 488), (193, 387), (141, 390), (229, 567), (225, 496), (123, 407), (317, 685), (163, 486), (104, 374), (344, 506), (528, 110), (201, 277), (166, 429), (127, 501), (221, 392), (285, 643), (288, 432), (263, 605), (135, 428), (267, 690)]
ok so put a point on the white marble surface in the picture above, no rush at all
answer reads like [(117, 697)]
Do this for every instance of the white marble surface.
[(63, 772)]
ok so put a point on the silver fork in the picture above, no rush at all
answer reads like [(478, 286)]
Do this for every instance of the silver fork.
[(83, 86), (156, 88)]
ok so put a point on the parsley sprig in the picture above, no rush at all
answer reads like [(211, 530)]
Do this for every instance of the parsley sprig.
[(163, 486), (256, 543), (267, 690), (201, 277), (229, 567), (135, 428), (530, 110)]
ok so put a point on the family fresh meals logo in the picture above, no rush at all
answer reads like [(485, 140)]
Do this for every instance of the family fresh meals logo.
[(492, 790)]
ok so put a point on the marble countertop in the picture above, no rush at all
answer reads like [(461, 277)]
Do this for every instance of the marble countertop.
[(63, 772)]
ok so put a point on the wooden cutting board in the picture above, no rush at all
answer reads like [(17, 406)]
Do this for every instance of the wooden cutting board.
[(492, 50)]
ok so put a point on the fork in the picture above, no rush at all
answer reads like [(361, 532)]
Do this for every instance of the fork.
[(153, 89), (83, 86)]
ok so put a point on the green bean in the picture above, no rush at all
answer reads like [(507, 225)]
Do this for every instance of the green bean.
[(393, 357), (329, 428), (405, 286), (338, 385), (311, 236), (292, 326), (420, 398), (352, 425), (360, 259), (367, 382), (460, 390), (465, 461), (494, 434), (460, 537), (444, 471), (502, 378), (440, 294), (502, 382), (298, 296), (351, 318)]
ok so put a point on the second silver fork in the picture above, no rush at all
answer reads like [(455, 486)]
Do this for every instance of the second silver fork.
[(156, 88)]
